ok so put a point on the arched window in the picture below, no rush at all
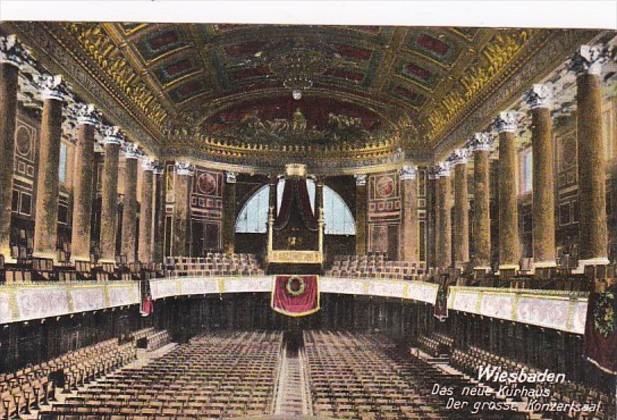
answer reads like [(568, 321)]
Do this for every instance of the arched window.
[(338, 219), (253, 217)]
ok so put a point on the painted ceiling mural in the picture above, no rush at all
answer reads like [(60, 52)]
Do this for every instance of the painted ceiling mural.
[(225, 91)]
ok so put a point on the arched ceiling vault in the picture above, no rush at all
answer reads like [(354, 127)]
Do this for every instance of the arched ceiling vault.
[(402, 89)]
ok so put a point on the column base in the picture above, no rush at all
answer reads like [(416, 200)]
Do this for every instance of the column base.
[(509, 267), (544, 264), (49, 255), (590, 261), (79, 258), (8, 258)]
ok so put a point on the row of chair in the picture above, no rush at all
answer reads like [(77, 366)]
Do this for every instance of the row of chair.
[(211, 376), (35, 385), (368, 376), (472, 359), (213, 264)]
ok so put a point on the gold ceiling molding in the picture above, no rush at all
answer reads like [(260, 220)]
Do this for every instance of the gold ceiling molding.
[(95, 41), (496, 55), (163, 81)]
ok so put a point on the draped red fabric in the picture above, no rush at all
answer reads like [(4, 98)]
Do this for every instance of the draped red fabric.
[(295, 198), (295, 295), (147, 306), (601, 330)]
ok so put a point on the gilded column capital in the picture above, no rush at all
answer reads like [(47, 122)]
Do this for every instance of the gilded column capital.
[(408, 172), (131, 150), (52, 86), (539, 96), (184, 168), (458, 156), (12, 51), (158, 167), (361, 179), (112, 134), (506, 122), (148, 164), (480, 142), (588, 59), (86, 114), (442, 169), (230, 177)]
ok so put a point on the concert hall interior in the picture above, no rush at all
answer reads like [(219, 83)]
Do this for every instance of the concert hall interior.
[(204, 220)]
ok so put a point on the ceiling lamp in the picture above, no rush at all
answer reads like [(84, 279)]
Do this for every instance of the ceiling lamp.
[(297, 64)]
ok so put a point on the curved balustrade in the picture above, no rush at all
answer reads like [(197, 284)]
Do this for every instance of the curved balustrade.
[(561, 310)]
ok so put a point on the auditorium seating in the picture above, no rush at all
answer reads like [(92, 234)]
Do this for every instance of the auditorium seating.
[(150, 338), (369, 377), (374, 266), (35, 385), (213, 264), (436, 344), (473, 358), (212, 376)]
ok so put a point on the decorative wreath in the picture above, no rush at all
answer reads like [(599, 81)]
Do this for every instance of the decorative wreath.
[(604, 317), (295, 286)]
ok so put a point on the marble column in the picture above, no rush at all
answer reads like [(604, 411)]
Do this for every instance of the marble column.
[(408, 243), (361, 214), (109, 193), (543, 180), (593, 231), (182, 209), (129, 208), (87, 119), (433, 215), (461, 209), (444, 228), (229, 215), (10, 60), (158, 250), (146, 220), (509, 243), (481, 144), (47, 183)]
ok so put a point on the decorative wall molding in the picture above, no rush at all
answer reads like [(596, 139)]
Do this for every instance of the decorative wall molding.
[(35, 301), (564, 311)]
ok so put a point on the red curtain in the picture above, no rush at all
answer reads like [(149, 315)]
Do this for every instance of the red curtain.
[(295, 198), (295, 295), (601, 330)]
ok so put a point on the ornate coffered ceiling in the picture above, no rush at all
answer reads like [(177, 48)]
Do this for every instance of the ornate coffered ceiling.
[(210, 90)]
